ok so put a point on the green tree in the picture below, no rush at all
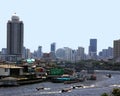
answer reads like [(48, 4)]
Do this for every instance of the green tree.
[(104, 94), (115, 92)]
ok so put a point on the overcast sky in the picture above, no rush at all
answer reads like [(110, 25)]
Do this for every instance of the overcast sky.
[(69, 23)]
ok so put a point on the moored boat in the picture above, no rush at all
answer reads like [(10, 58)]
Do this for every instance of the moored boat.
[(65, 79)]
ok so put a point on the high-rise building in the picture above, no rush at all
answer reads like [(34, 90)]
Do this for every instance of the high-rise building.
[(106, 54), (60, 53), (53, 47), (80, 54), (52, 51), (93, 49), (4, 51), (39, 52), (110, 52), (116, 52), (3, 54), (68, 54), (15, 32)]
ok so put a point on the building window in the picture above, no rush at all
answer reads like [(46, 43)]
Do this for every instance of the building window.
[(6, 69)]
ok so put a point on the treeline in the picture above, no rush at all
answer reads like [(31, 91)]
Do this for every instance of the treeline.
[(93, 64)]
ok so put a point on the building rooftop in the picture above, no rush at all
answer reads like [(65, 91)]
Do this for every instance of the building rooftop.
[(15, 17), (10, 66)]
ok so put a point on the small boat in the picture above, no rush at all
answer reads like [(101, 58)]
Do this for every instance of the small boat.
[(78, 86), (66, 90), (109, 75), (40, 88)]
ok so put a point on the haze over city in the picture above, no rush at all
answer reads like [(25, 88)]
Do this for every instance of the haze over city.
[(69, 23)]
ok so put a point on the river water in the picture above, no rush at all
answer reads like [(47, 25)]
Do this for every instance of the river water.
[(91, 88)]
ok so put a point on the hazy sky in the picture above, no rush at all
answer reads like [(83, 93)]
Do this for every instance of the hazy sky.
[(69, 23)]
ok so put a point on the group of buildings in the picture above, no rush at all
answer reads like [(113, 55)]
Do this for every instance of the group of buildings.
[(16, 51)]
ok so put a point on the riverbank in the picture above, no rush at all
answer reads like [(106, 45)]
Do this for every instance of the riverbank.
[(91, 88), (10, 81)]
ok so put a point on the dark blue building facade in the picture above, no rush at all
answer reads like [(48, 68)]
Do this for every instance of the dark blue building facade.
[(93, 49)]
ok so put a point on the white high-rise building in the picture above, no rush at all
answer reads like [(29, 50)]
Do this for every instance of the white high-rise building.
[(68, 54), (39, 52), (80, 54)]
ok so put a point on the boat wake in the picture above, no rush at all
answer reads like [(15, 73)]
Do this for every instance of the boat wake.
[(91, 86), (115, 85), (50, 92)]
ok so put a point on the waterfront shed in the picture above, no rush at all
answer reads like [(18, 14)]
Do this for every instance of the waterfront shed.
[(10, 70)]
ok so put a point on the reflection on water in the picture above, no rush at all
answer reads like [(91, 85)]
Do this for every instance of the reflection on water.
[(90, 88)]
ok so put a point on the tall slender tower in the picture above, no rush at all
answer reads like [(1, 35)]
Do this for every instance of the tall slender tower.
[(15, 32), (52, 50), (53, 47), (93, 49)]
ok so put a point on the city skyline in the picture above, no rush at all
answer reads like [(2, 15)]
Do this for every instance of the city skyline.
[(67, 23)]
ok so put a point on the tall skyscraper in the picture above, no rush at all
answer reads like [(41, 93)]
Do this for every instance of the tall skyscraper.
[(93, 49), (39, 52), (52, 51), (53, 47), (15, 32), (116, 51), (68, 54), (80, 53)]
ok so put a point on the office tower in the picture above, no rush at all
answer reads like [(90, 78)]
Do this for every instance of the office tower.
[(116, 51), (74, 53), (68, 54), (28, 53), (52, 51), (106, 54), (93, 49), (53, 47), (80, 54), (3, 54), (15, 34), (60, 53), (4, 51), (24, 53), (110, 52), (39, 52)]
